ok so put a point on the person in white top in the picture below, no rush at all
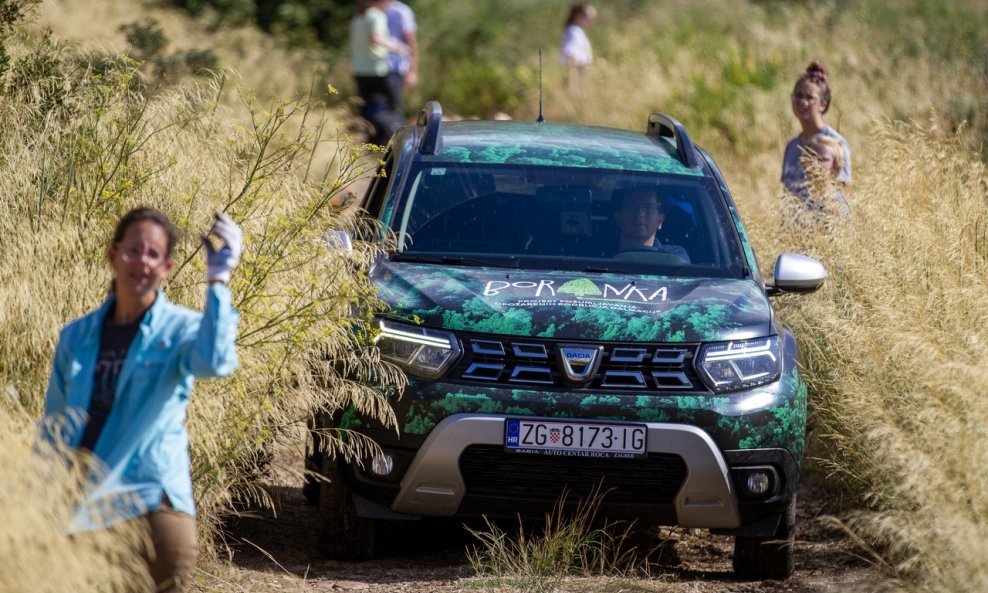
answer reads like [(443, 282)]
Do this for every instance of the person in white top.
[(576, 53), (370, 44)]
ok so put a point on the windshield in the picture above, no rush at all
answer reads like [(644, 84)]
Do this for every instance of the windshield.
[(566, 219)]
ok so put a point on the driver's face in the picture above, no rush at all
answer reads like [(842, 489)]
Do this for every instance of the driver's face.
[(639, 218)]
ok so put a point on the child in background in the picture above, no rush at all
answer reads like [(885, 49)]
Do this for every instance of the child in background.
[(828, 152), (825, 154)]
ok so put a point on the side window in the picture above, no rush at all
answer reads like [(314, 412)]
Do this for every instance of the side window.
[(374, 198)]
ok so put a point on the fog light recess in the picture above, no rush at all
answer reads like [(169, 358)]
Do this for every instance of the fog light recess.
[(757, 481), (382, 464)]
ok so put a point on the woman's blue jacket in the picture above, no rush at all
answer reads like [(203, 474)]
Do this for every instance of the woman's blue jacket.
[(144, 443)]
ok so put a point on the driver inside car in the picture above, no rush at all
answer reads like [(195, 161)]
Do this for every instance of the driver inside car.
[(639, 214)]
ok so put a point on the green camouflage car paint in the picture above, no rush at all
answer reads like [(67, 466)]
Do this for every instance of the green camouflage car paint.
[(562, 145), (780, 424), (573, 305), (772, 416)]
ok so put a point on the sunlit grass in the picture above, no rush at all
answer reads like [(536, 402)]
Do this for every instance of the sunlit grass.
[(895, 345), (40, 493), (570, 541)]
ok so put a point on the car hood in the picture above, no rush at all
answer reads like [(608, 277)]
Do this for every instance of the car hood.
[(574, 305)]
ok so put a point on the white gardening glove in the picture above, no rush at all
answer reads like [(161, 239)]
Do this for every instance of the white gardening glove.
[(220, 262)]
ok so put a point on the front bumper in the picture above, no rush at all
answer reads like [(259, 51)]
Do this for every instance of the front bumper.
[(433, 482)]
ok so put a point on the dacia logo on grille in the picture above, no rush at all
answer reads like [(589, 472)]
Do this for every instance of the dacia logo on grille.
[(579, 362)]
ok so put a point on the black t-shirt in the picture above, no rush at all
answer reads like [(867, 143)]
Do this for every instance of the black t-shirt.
[(114, 343)]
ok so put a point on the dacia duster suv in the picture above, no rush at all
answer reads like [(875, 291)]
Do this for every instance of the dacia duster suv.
[(545, 354)]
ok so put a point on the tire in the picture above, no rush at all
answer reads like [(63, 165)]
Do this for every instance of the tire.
[(344, 535), (643, 538), (313, 463), (768, 557)]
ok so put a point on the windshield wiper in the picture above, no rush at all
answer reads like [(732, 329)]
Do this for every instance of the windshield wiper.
[(453, 260)]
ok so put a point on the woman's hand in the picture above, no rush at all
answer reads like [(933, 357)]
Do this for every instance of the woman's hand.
[(220, 262)]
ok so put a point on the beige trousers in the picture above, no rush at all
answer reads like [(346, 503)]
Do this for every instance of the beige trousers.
[(173, 534)]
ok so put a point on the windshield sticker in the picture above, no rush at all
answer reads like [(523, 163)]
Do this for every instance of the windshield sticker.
[(438, 171)]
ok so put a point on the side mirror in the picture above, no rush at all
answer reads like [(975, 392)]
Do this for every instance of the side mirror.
[(796, 273), (338, 240)]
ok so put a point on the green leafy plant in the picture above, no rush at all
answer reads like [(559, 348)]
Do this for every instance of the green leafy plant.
[(148, 48), (147, 39)]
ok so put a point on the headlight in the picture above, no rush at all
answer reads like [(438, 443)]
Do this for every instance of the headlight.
[(419, 351), (729, 366)]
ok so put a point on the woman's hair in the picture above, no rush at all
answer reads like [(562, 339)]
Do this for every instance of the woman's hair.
[(816, 73), (156, 216), (577, 10), (835, 147)]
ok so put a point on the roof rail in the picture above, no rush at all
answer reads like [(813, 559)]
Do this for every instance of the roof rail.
[(431, 117), (661, 125)]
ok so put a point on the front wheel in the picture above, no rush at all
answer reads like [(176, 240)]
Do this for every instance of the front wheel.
[(769, 557), (313, 463), (344, 535)]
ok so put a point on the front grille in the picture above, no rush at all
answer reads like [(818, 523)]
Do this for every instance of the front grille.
[(489, 471), (628, 367)]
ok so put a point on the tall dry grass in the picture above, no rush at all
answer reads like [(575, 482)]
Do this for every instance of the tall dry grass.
[(96, 28), (895, 346), (39, 494), (570, 542), (726, 70), (260, 60), (81, 147)]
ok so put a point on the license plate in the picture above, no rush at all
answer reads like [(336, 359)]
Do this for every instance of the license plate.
[(578, 439)]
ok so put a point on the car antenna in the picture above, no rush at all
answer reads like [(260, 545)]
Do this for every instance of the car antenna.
[(541, 118)]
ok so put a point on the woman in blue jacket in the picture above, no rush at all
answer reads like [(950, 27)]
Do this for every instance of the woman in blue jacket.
[(121, 381)]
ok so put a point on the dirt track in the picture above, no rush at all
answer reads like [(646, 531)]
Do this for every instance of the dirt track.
[(431, 558)]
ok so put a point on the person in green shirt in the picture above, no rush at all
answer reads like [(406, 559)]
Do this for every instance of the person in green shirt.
[(370, 47)]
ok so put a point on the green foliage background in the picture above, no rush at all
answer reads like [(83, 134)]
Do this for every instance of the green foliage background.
[(707, 62)]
